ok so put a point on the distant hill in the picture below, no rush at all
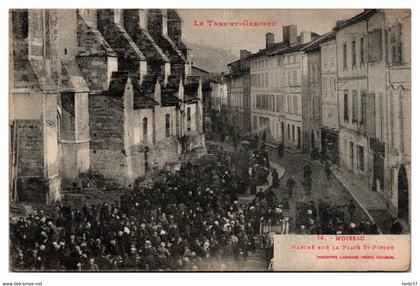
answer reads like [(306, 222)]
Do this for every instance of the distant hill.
[(211, 58)]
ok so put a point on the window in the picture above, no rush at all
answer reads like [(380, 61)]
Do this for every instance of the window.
[(279, 61), (294, 77), (361, 158), (168, 125), (65, 51), (346, 105), (145, 131), (188, 118), (255, 122), (288, 131), (353, 54), (396, 46), (355, 111), (293, 133), (298, 137), (295, 104), (272, 103), (345, 56), (362, 51), (362, 107), (289, 78), (375, 45), (351, 155)]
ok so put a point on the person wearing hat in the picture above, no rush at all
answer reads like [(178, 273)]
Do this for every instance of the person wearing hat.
[(275, 176), (92, 265), (290, 184), (307, 185), (280, 150)]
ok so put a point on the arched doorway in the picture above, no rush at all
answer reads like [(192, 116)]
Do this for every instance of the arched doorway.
[(403, 203)]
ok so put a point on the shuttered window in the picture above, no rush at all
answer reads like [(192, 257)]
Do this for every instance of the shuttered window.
[(375, 45)]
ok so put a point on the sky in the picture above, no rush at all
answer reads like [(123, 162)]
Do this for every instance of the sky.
[(253, 38)]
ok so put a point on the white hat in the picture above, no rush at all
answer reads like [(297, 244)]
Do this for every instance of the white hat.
[(309, 211)]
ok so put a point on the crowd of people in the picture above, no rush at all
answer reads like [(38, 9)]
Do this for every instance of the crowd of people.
[(187, 220), (327, 217)]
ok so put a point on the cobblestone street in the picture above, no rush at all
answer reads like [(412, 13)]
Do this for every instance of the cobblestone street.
[(321, 186)]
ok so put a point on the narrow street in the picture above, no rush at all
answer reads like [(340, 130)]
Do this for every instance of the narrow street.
[(321, 186)]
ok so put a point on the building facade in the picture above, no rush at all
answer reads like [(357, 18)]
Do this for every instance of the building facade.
[(238, 92), (372, 48), (329, 99), (292, 58), (117, 92), (311, 100), (389, 72), (266, 74)]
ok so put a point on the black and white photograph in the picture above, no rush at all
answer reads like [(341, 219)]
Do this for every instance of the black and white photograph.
[(201, 140)]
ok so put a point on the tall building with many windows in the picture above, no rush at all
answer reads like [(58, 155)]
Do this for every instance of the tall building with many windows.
[(374, 57), (239, 94), (329, 99)]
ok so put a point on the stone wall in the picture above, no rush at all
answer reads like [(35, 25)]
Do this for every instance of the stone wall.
[(30, 160), (109, 152), (97, 70)]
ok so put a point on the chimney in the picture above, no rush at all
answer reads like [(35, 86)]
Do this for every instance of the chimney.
[(244, 53), (290, 34), (305, 37), (269, 40)]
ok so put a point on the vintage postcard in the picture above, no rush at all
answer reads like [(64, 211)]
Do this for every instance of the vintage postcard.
[(209, 140)]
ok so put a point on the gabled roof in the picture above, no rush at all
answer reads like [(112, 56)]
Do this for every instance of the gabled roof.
[(314, 45), (296, 47), (72, 79), (266, 51), (39, 70), (357, 18), (145, 93), (117, 84), (200, 69), (169, 92), (192, 83), (170, 48), (121, 42), (155, 46), (105, 48)]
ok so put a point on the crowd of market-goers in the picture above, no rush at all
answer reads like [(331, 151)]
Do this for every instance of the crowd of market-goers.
[(187, 220)]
